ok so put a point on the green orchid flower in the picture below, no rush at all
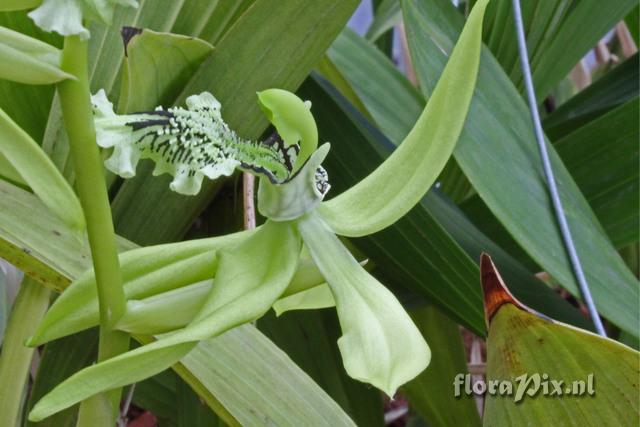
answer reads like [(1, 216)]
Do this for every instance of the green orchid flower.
[(191, 291), (66, 17)]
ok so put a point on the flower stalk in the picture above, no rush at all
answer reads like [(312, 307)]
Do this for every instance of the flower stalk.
[(75, 99)]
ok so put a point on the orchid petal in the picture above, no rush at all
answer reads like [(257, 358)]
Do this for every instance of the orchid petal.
[(402, 180), (305, 191), (314, 298), (239, 295), (293, 120), (380, 344), (65, 16)]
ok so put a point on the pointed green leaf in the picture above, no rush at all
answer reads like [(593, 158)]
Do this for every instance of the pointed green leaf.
[(39, 172), (380, 344), (401, 181)]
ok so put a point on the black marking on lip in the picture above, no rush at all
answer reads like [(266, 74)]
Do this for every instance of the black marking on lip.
[(146, 123)]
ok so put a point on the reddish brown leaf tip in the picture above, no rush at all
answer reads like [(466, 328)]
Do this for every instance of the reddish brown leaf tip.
[(494, 289)]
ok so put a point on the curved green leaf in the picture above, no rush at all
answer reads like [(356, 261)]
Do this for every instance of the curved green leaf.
[(401, 181), (39, 172)]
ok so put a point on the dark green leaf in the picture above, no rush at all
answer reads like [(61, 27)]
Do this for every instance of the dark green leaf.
[(611, 90), (430, 393), (602, 157), (310, 339), (497, 154)]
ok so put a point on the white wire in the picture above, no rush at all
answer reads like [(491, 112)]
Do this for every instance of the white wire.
[(548, 171)]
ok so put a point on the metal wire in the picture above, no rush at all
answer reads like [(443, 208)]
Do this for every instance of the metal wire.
[(548, 171)]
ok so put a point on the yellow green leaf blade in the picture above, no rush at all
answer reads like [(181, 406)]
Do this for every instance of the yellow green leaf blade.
[(156, 66), (401, 181), (39, 172), (559, 374)]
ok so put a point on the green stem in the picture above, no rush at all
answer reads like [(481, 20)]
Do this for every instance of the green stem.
[(75, 99), (15, 359)]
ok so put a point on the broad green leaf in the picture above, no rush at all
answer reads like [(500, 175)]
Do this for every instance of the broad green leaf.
[(37, 170), (209, 20), (252, 56), (216, 369), (558, 33), (399, 183), (388, 15), (158, 395), (609, 91), (8, 5), (192, 411), (430, 393), (310, 339), (15, 359), (585, 23), (526, 286), (165, 60), (7, 171), (603, 159), (249, 388), (495, 149), (327, 69), (380, 344), (522, 343), (361, 62), (633, 22), (239, 296), (24, 59)]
